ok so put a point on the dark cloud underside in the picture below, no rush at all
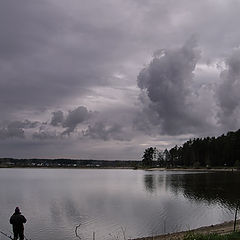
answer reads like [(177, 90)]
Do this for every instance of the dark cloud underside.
[(71, 81)]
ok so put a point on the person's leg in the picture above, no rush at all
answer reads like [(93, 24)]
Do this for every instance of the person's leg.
[(15, 232), (21, 235)]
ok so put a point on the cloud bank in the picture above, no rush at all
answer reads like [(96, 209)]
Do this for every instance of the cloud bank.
[(167, 82), (228, 92), (79, 79)]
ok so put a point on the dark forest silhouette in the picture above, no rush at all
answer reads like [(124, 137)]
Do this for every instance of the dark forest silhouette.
[(199, 152)]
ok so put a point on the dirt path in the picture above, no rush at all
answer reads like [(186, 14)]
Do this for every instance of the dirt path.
[(222, 228)]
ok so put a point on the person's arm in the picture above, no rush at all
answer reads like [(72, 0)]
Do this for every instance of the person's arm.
[(24, 219), (11, 220)]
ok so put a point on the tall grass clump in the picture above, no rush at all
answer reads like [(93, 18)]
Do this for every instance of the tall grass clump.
[(212, 236)]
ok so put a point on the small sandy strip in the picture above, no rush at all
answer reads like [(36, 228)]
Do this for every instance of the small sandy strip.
[(223, 228), (194, 169)]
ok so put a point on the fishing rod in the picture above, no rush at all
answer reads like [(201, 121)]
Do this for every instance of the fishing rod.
[(3, 233), (9, 236)]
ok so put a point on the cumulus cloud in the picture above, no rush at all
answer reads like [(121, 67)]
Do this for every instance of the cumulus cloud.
[(228, 92), (12, 131), (60, 124), (70, 121), (75, 117), (15, 129), (106, 132), (57, 118), (23, 124), (167, 83)]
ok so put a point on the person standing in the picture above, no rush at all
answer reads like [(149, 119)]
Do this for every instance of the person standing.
[(17, 220)]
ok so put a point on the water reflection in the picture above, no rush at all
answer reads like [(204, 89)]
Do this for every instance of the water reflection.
[(221, 187), (150, 182), (103, 201)]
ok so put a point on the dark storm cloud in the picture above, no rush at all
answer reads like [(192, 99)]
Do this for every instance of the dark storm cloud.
[(106, 132), (49, 55), (228, 92), (57, 54), (167, 80), (64, 123), (101, 126), (24, 124), (57, 118), (69, 122), (15, 129), (75, 117)]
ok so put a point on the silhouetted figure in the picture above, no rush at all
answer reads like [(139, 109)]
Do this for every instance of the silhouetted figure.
[(17, 220)]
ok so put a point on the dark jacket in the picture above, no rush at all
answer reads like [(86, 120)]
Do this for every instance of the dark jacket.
[(17, 220)]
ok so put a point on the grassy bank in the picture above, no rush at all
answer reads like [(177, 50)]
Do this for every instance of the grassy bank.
[(212, 236), (213, 232)]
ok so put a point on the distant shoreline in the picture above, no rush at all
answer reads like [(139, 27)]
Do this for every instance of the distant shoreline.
[(133, 168), (48, 167), (222, 228)]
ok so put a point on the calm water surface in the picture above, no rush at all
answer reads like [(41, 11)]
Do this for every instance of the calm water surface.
[(142, 203)]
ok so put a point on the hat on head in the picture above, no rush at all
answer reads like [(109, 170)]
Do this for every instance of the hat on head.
[(17, 210)]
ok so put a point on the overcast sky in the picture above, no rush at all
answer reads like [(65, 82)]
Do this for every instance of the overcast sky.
[(105, 79)]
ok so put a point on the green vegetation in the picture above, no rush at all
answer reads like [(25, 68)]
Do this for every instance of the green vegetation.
[(202, 152), (148, 156), (212, 236)]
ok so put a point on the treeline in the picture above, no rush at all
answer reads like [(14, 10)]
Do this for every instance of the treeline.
[(13, 162), (205, 152)]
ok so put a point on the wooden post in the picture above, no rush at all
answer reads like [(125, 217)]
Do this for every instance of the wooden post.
[(93, 235), (235, 219)]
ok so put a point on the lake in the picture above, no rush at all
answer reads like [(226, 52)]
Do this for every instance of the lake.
[(110, 202)]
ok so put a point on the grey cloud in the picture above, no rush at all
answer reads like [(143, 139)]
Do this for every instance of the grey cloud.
[(44, 135), (57, 53), (58, 50), (228, 92), (24, 124), (27, 31), (69, 122), (47, 56), (24, 27), (217, 35), (75, 117), (11, 131), (166, 81), (106, 132), (57, 118), (15, 129)]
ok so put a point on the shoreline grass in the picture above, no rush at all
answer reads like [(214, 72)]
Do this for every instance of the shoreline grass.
[(212, 236)]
